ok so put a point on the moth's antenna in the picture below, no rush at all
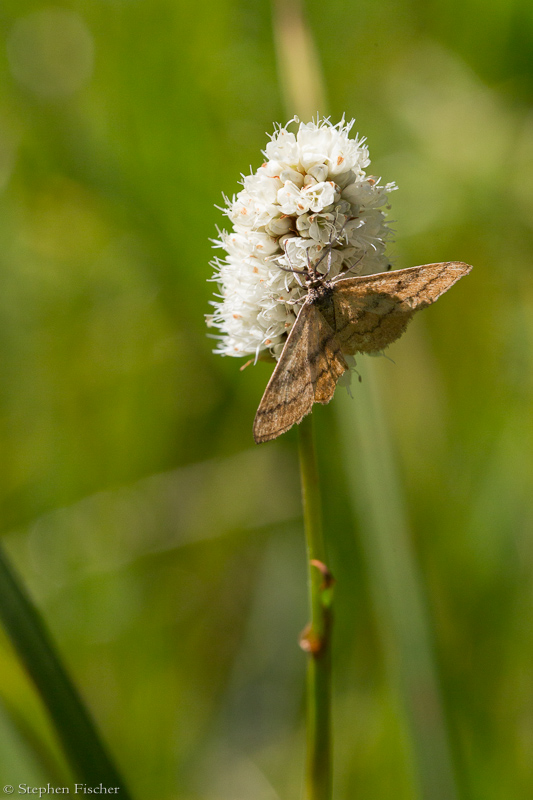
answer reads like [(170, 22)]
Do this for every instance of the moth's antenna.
[(329, 261), (312, 269), (294, 270), (346, 271), (334, 237), (311, 272), (330, 243)]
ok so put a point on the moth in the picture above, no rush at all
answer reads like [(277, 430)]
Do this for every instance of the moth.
[(342, 317)]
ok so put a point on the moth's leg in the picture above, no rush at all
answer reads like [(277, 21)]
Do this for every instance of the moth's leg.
[(345, 273), (334, 238), (295, 271), (328, 270)]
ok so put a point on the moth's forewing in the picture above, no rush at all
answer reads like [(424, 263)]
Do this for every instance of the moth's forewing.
[(373, 311), (308, 369), (415, 286), (289, 395)]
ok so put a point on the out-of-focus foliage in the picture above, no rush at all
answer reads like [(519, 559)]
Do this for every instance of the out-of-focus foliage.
[(164, 549)]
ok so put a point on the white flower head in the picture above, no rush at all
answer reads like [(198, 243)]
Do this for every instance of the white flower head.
[(311, 193)]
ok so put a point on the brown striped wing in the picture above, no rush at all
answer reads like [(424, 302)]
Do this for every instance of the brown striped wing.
[(308, 369), (373, 311)]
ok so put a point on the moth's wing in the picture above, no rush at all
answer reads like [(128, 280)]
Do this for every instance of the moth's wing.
[(308, 369), (416, 286), (326, 362), (372, 311)]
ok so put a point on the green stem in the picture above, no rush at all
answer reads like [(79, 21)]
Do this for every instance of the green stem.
[(316, 639), (85, 751)]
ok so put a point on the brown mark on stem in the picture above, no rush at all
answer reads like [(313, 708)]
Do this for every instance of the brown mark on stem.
[(310, 641)]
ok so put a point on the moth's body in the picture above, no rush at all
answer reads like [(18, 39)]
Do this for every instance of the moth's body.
[(320, 294), (343, 317)]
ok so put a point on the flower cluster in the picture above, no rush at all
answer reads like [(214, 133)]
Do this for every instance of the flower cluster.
[(311, 193)]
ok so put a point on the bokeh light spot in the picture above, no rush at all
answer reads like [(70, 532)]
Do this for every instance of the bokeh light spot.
[(51, 53)]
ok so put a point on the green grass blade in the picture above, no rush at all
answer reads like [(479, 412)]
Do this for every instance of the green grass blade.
[(82, 744), (396, 584)]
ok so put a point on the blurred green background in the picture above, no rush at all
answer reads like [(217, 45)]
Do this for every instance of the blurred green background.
[(163, 547)]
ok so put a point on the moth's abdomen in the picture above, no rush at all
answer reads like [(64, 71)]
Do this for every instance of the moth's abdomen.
[(323, 300)]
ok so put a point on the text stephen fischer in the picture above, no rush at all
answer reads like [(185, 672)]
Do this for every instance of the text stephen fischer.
[(79, 788)]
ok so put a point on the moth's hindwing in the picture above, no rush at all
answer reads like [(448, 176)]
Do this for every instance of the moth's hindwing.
[(373, 311)]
